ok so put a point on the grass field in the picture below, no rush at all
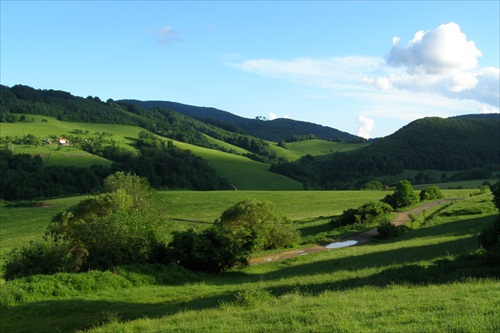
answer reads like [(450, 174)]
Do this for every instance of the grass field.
[(321, 149), (382, 286)]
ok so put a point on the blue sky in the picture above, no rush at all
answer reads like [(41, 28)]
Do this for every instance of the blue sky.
[(367, 67)]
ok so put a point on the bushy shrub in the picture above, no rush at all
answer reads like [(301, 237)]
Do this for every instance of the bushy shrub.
[(403, 195), (256, 225), (105, 230), (489, 239), (431, 193), (44, 257), (365, 214), (388, 230), (373, 185), (210, 250), (113, 227)]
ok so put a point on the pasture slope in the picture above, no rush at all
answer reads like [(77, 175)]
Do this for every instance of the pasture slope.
[(414, 283), (242, 172)]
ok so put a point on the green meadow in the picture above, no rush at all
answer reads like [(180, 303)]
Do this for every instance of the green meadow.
[(321, 149), (416, 282), (243, 173)]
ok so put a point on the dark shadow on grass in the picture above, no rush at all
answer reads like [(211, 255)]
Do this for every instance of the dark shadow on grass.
[(465, 230), (441, 272), (78, 314), (314, 230)]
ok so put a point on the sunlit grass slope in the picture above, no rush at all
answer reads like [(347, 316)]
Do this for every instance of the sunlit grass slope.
[(395, 285), (19, 225), (242, 172), (320, 148)]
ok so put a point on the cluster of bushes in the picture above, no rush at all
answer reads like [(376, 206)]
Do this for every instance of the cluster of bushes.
[(115, 227), (431, 193), (119, 226), (489, 239), (246, 227), (403, 195), (365, 214), (371, 212)]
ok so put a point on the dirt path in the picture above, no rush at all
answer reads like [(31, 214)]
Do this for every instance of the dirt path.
[(401, 218)]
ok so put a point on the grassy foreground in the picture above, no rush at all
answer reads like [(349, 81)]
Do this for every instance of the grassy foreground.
[(396, 285)]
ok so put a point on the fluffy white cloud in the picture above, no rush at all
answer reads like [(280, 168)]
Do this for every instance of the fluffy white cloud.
[(436, 73), (443, 61), (272, 116), (365, 125), (442, 51)]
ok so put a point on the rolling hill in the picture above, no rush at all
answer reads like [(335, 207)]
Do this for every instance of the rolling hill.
[(272, 130), (236, 148), (453, 144)]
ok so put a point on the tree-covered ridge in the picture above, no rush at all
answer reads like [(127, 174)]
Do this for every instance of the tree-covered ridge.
[(273, 130), (62, 105), (428, 143), (25, 100)]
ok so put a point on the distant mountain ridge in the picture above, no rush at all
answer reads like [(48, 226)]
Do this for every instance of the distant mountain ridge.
[(272, 130)]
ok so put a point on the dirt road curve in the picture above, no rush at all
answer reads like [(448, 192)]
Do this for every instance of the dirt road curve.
[(401, 218)]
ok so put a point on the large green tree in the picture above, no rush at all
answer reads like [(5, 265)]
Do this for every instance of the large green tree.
[(115, 227), (257, 225), (403, 195)]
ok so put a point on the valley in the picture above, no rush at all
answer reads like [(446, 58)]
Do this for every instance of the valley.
[(117, 171)]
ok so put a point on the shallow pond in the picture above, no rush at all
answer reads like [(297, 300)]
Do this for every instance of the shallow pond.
[(338, 245)]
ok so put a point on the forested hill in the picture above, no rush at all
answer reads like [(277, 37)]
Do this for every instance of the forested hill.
[(167, 123), (493, 116), (273, 130), (428, 143)]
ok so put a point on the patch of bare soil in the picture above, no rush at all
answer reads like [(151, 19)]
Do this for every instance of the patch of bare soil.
[(401, 218)]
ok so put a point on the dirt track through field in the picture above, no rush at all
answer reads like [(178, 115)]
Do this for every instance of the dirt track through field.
[(401, 218)]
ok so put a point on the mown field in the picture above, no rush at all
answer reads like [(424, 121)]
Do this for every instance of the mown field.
[(395, 285)]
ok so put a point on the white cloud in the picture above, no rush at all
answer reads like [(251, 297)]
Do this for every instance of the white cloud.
[(166, 35), (441, 51), (443, 61), (365, 126), (487, 109), (437, 73), (330, 73), (272, 116)]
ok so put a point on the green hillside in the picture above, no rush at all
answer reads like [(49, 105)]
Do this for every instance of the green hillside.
[(454, 145), (272, 130), (320, 148), (243, 173)]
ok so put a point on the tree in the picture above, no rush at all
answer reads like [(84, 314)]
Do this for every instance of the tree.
[(257, 226), (373, 185), (489, 238), (210, 250), (403, 195), (116, 227), (431, 193)]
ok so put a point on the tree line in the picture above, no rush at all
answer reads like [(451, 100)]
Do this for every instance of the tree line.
[(454, 144)]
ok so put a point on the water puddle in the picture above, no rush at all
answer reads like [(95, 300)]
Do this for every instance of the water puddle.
[(338, 245)]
